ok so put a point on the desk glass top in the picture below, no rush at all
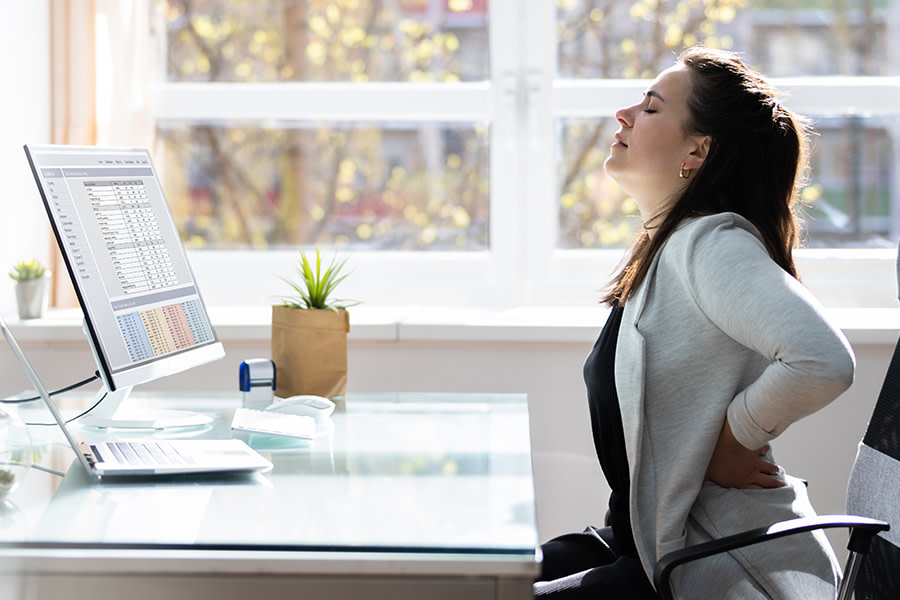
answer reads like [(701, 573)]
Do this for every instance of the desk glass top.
[(432, 473)]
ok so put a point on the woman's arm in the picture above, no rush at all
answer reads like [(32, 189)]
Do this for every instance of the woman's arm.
[(752, 300)]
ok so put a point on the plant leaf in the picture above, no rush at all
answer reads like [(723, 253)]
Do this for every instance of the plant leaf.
[(315, 286)]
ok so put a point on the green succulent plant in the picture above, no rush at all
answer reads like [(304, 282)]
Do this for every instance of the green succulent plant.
[(316, 286), (27, 270)]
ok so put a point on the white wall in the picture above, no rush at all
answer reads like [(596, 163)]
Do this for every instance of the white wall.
[(24, 118)]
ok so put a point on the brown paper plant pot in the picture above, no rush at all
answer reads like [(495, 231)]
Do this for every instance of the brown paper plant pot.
[(309, 349)]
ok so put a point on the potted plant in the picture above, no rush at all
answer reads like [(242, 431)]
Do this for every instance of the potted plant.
[(31, 288), (309, 332)]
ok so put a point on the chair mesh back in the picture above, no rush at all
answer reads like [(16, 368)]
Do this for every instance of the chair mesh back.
[(879, 576), (883, 433), (874, 484)]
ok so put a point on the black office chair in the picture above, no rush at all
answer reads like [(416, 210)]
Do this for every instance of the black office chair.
[(874, 486), (862, 530), (873, 490)]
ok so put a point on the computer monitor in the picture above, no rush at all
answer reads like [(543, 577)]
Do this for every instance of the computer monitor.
[(143, 313)]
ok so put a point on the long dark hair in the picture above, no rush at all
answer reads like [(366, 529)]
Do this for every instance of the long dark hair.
[(756, 164)]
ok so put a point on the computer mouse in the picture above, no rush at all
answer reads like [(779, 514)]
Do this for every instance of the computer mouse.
[(305, 405)]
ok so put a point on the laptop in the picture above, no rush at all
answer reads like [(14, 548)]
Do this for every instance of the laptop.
[(130, 458)]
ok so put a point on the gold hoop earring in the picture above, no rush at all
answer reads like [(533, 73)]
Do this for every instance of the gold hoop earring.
[(684, 173)]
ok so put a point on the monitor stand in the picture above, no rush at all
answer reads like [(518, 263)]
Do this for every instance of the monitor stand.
[(109, 414)]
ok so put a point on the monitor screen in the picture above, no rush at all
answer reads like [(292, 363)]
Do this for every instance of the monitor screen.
[(143, 313)]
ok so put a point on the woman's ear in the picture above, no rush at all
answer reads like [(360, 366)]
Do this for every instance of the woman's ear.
[(698, 154)]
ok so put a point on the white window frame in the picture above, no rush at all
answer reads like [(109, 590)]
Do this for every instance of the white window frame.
[(487, 278), (521, 102)]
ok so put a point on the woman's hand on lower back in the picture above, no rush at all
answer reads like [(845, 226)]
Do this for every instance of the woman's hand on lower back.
[(734, 466)]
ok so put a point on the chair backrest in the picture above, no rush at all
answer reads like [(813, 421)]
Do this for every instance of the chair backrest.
[(874, 488)]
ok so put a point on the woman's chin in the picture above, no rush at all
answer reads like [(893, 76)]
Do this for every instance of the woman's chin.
[(612, 169), (609, 165)]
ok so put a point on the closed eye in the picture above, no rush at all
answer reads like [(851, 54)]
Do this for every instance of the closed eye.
[(649, 97)]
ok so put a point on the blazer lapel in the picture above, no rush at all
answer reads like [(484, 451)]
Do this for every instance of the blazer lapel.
[(629, 369)]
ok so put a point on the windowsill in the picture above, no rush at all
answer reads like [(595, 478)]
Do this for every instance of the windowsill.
[(420, 323)]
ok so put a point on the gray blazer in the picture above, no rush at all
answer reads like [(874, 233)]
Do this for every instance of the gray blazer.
[(718, 328)]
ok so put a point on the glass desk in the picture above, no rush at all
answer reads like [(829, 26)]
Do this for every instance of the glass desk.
[(399, 496)]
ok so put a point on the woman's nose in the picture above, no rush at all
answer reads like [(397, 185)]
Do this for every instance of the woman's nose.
[(625, 116)]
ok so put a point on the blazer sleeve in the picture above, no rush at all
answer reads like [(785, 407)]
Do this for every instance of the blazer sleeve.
[(744, 293)]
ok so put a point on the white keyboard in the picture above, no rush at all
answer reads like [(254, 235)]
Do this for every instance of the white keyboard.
[(273, 423)]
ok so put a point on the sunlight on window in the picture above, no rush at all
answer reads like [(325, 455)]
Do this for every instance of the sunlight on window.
[(358, 185), (282, 40)]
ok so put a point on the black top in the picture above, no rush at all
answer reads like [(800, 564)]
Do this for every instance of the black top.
[(606, 424)]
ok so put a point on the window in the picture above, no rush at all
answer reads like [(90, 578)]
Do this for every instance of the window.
[(358, 125), (454, 148)]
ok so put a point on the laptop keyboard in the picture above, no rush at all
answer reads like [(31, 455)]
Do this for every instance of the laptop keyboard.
[(147, 453)]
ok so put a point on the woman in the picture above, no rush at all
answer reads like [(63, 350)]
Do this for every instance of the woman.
[(711, 350)]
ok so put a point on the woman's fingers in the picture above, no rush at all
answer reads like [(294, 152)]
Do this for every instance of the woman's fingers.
[(767, 482), (769, 468), (766, 475)]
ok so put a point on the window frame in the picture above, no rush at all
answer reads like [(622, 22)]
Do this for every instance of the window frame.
[(392, 277), (522, 103)]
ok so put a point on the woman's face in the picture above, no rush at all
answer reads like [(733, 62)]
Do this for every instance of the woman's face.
[(651, 144)]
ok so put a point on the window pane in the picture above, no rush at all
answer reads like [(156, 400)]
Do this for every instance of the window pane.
[(853, 196), (628, 38), (594, 211), (818, 37), (387, 186), (638, 38), (315, 40)]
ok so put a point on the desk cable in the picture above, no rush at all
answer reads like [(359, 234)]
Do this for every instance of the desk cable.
[(69, 388)]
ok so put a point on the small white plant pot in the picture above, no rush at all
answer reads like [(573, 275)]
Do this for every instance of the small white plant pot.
[(31, 297)]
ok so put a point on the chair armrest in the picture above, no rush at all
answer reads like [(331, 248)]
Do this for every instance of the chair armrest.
[(863, 529)]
